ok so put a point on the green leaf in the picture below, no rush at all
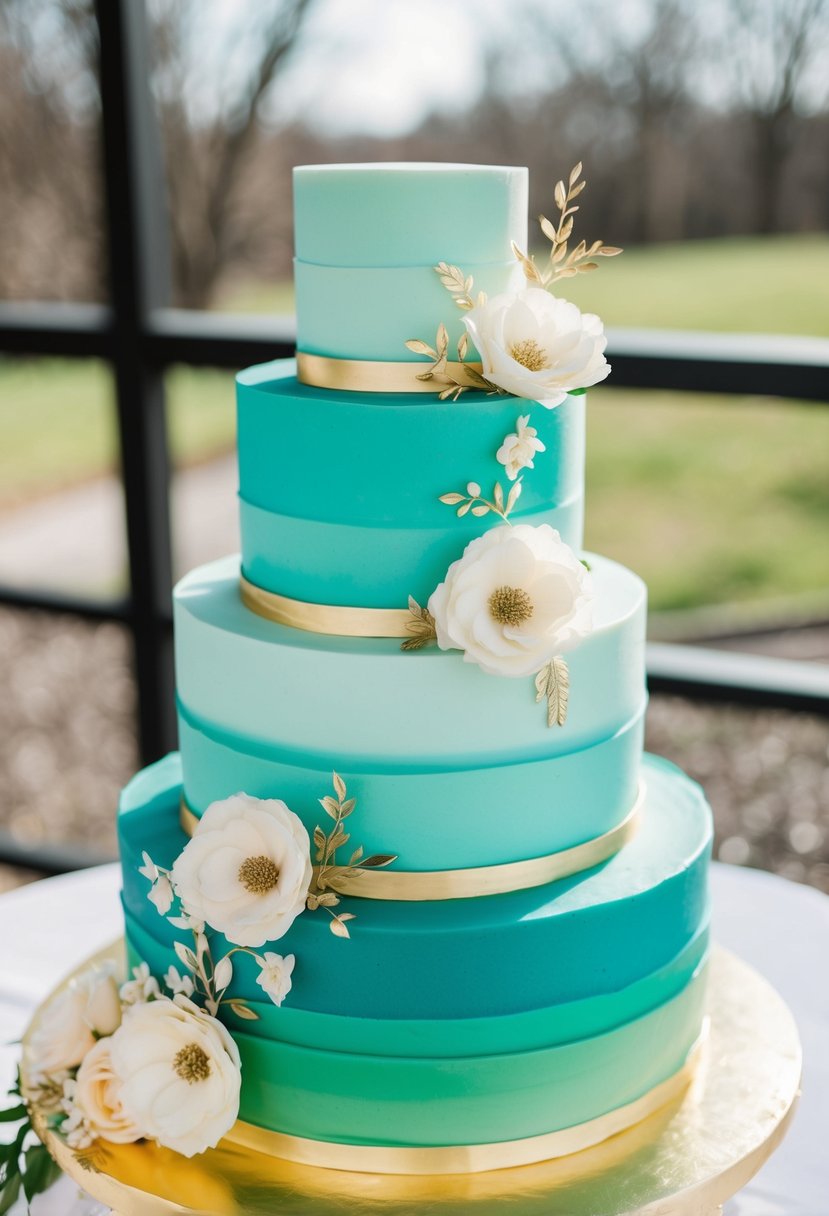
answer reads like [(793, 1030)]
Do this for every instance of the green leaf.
[(9, 1191), (13, 1114), (41, 1171)]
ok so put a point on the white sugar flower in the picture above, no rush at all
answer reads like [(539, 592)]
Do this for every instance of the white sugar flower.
[(95, 1098), (161, 890), (88, 1008), (178, 983), (275, 975), (180, 1074), (536, 345), (142, 987), (518, 597), (247, 869), (518, 451), (75, 1127)]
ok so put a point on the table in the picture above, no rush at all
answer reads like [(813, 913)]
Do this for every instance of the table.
[(780, 928)]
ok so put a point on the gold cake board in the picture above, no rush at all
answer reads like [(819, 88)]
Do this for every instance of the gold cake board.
[(687, 1158)]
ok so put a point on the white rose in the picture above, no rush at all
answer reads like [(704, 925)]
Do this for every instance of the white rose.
[(180, 1074), (518, 597), (247, 870), (518, 451), (97, 1095), (275, 975), (536, 345), (87, 1008)]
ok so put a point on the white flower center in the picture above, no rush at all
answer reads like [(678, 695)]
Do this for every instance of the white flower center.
[(510, 606), (258, 874), (192, 1063), (529, 354)]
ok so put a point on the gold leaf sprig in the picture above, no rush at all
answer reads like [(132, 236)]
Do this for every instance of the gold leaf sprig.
[(440, 372), (459, 286), (421, 625), (328, 874), (564, 264), (474, 501), (553, 682)]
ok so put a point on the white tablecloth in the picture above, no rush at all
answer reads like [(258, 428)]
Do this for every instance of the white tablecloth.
[(780, 928)]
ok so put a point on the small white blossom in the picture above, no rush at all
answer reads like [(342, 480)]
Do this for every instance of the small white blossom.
[(518, 451), (149, 869), (161, 894), (75, 1127), (275, 975), (143, 986), (178, 983)]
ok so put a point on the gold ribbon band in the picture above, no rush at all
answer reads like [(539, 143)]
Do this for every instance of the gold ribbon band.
[(411, 886), (325, 618), (368, 376), (468, 1158)]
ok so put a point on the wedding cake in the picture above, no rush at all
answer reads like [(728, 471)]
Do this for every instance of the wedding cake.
[(410, 898)]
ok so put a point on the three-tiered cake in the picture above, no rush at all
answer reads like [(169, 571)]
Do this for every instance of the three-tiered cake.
[(518, 897)]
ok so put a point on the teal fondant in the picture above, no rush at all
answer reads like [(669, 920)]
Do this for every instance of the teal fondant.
[(369, 312), (433, 817), (368, 528), (408, 214), (593, 934), (440, 1038)]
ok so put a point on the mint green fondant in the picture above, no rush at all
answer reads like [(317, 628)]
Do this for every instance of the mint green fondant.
[(433, 817), (369, 312), (408, 214), (367, 527), (591, 935), (365, 699), (364, 566)]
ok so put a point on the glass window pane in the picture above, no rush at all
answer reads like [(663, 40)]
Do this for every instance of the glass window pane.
[(61, 502)]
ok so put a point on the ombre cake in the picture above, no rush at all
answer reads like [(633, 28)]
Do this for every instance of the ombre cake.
[(492, 941)]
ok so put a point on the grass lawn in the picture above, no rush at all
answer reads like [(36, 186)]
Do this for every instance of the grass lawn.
[(713, 499)]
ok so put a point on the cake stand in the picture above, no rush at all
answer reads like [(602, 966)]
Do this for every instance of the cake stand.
[(687, 1159)]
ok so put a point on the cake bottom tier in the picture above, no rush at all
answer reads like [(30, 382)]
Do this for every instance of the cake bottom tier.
[(465, 1022)]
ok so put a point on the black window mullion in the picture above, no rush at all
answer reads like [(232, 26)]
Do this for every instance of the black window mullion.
[(139, 283)]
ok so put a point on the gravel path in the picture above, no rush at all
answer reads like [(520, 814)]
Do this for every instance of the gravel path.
[(67, 746)]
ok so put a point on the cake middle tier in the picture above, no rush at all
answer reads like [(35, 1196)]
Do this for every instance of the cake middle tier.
[(340, 491), (451, 768)]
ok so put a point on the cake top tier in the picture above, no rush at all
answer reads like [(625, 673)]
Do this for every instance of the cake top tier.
[(408, 214)]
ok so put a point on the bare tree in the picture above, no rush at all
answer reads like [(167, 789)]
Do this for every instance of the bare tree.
[(771, 48), (206, 153)]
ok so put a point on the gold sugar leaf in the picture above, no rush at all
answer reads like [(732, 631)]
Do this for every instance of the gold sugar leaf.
[(243, 1011), (498, 496), (473, 488), (378, 859), (446, 393), (560, 196), (330, 806), (575, 174), (514, 495), (443, 340), (339, 785), (560, 252), (575, 191), (421, 348), (347, 807), (463, 347), (338, 926), (461, 511), (553, 683), (548, 228), (610, 251), (528, 265), (481, 509), (585, 266), (450, 500), (566, 229), (355, 856)]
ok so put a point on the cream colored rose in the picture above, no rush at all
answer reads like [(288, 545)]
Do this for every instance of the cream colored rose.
[(536, 345), (180, 1074), (518, 597), (247, 870), (87, 1008), (518, 451), (275, 975), (97, 1095)]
